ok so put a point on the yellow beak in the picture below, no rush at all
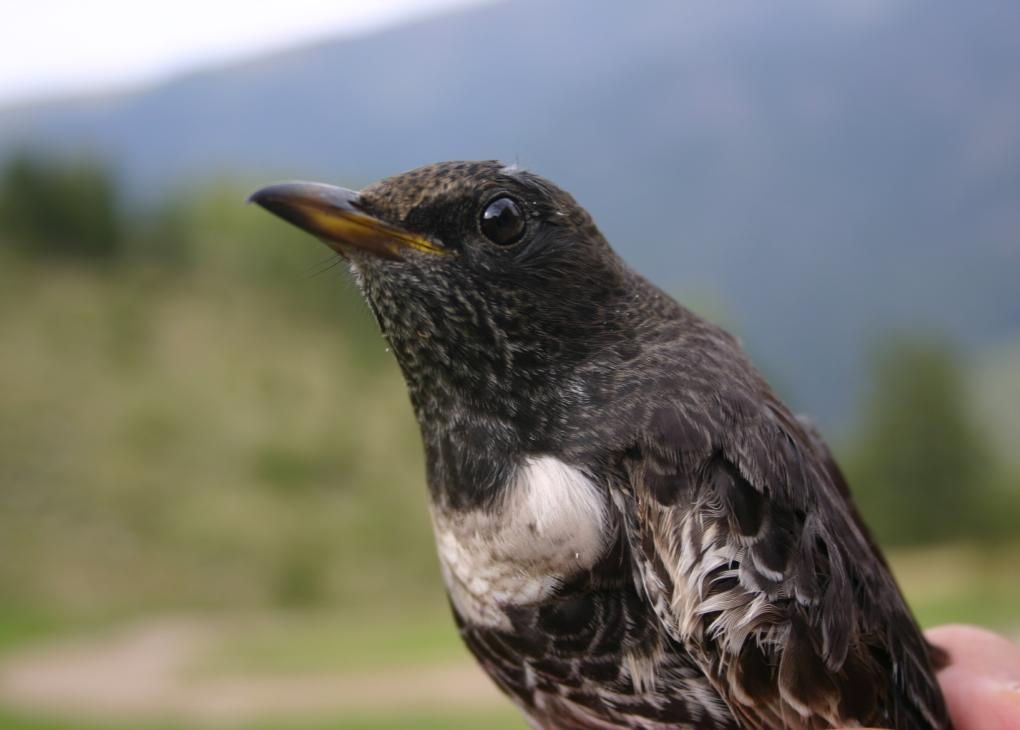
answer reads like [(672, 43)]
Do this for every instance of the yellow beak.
[(334, 216)]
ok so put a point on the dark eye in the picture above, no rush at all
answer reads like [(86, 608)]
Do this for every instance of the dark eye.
[(503, 221)]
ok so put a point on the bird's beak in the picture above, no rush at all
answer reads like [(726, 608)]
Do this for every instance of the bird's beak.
[(334, 216)]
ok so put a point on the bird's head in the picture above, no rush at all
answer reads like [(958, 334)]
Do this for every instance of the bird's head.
[(492, 285)]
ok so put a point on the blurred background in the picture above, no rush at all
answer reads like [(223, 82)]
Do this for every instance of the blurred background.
[(202, 522)]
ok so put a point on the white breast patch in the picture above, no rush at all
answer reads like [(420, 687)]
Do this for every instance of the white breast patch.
[(552, 522)]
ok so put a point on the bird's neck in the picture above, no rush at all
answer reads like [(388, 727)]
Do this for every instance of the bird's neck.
[(486, 402)]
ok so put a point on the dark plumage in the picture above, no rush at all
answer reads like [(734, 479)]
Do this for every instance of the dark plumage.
[(633, 529)]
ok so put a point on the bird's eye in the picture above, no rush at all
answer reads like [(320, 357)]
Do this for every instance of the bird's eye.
[(503, 221)]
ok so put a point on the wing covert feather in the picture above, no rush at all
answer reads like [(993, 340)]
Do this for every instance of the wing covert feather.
[(752, 556)]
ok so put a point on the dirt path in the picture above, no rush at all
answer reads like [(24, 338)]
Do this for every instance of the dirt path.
[(141, 673)]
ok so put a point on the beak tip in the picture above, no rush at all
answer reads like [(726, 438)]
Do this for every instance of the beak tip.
[(262, 196)]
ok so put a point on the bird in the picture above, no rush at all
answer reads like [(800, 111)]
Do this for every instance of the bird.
[(633, 530)]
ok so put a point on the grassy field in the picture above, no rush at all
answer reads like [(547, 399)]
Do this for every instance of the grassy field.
[(199, 442), (328, 642)]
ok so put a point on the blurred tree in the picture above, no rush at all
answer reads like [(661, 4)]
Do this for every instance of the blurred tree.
[(920, 470), (64, 209)]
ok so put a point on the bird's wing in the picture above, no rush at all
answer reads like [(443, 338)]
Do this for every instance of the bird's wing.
[(753, 557)]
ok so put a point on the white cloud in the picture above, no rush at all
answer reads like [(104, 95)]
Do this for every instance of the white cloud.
[(78, 46)]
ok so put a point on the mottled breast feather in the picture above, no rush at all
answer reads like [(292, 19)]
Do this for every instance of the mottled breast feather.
[(591, 655), (544, 594)]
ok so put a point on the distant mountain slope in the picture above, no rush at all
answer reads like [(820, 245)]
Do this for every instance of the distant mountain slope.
[(831, 170)]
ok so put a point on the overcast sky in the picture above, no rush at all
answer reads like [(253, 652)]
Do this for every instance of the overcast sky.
[(50, 47)]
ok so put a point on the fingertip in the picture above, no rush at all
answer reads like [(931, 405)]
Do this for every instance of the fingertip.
[(981, 683), (977, 651)]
